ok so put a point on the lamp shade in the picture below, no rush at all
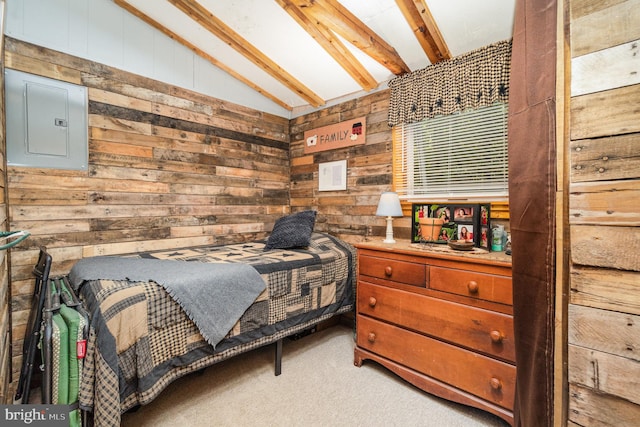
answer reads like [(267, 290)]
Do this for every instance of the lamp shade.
[(389, 204)]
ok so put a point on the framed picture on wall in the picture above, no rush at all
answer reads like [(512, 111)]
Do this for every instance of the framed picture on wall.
[(332, 176)]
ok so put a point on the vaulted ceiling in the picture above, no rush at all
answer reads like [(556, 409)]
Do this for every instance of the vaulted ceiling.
[(303, 53)]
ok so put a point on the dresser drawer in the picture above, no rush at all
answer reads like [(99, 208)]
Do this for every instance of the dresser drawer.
[(477, 329), (483, 286), (390, 269), (482, 376)]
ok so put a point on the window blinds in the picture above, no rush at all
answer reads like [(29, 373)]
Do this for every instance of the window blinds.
[(457, 156)]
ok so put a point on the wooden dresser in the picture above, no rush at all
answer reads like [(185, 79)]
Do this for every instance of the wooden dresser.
[(441, 320)]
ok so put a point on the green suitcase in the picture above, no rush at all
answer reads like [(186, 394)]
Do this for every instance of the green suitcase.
[(64, 347)]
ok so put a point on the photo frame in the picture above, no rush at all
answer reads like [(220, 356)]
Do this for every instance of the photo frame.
[(466, 232), (420, 210), (484, 238), (470, 222), (332, 176)]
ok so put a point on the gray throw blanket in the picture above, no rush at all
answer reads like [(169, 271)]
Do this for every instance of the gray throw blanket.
[(213, 295)]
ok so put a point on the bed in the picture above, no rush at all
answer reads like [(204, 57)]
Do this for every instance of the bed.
[(141, 338)]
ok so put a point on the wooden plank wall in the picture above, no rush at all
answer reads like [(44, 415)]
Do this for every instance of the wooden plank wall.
[(5, 323), (604, 214), (347, 214), (167, 168)]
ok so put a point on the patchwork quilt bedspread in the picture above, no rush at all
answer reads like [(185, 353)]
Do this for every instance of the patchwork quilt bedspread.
[(141, 340)]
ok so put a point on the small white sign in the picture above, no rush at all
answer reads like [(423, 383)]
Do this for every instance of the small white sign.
[(332, 176)]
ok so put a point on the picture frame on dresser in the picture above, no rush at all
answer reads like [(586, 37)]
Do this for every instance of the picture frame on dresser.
[(484, 230), (460, 220), (425, 210)]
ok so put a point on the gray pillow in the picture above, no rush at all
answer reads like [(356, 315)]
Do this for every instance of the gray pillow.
[(292, 231)]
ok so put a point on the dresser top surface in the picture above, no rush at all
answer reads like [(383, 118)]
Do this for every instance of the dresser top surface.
[(436, 251)]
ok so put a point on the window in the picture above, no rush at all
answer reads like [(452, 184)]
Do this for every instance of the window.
[(461, 156)]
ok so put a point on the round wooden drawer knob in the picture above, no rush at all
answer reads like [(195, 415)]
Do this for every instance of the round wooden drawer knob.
[(371, 337), (496, 336), (388, 271), (372, 302), (473, 286), (496, 384)]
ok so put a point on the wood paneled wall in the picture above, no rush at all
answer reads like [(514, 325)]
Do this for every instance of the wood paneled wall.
[(167, 168), (604, 214), (348, 214), (5, 324)]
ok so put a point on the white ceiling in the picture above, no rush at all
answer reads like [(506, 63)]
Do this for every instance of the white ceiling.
[(464, 24)]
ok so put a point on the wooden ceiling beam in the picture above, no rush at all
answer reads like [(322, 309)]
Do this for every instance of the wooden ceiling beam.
[(425, 29), (225, 33), (332, 44), (340, 20), (146, 18)]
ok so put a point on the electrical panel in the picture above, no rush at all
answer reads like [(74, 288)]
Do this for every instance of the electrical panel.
[(46, 122)]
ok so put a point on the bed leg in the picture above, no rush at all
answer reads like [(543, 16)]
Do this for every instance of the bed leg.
[(278, 361)]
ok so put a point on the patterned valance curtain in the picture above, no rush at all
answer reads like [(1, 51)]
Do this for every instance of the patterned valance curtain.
[(476, 79)]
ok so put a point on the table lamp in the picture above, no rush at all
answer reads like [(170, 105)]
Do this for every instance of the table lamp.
[(389, 206)]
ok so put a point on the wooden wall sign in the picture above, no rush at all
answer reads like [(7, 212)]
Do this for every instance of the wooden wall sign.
[(344, 134)]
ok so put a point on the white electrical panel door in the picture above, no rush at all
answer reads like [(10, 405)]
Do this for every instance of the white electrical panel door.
[(47, 119)]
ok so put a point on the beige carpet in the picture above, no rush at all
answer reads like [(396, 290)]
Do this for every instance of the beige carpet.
[(319, 386)]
